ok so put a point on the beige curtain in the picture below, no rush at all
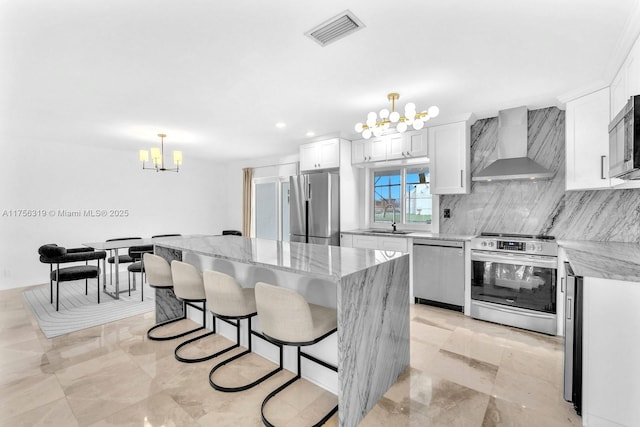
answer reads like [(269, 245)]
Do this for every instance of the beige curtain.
[(246, 201)]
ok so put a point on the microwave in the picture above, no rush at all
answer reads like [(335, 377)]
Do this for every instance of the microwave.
[(624, 142)]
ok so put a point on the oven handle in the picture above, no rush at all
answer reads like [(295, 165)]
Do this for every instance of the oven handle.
[(544, 262)]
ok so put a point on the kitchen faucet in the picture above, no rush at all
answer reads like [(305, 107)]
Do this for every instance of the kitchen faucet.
[(393, 213)]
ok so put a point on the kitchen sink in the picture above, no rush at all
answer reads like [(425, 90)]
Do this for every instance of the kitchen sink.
[(389, 231)]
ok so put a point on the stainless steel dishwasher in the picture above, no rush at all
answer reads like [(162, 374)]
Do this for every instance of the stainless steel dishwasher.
[(438, 273)]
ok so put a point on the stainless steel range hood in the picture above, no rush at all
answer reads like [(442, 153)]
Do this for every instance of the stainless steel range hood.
[(513, 162)]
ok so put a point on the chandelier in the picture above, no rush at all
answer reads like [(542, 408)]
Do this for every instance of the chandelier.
[(157, 156), (376, 124)]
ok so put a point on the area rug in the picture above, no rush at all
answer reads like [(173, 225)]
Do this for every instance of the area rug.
[(79, 311)]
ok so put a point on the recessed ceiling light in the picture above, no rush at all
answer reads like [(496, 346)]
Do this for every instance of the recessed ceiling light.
[(281, 125), (310, 133)]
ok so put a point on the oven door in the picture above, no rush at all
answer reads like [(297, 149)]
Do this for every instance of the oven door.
[(516, 280)]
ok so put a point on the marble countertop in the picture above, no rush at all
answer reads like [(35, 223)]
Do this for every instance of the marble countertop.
[(418, 234), (318, 260), (606, 260)]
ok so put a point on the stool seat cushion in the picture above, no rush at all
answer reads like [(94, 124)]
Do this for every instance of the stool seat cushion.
[(287, 317), (225, 296), (67, 274), (121, 259), (187, 282), (135, 267), (158, 271)]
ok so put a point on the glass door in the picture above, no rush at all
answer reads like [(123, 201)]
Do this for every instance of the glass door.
[(271, 212)]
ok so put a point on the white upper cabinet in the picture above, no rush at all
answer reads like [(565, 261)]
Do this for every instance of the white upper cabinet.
[(407, 145), (449, 150), (320, 155), (369, 150), (587, 142), (390, 147), (627, 82)]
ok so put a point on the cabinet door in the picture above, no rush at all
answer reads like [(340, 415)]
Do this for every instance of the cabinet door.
[(396, 146), (449, 151), (329, 154), (379, 148), (618, 94), (587, 142), (308, 156), (360, 151), (396, 244), (416, 144), (365, 242), (346, 240)]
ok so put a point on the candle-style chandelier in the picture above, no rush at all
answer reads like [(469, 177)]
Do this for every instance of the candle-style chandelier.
[(376, 124), (157, 156)]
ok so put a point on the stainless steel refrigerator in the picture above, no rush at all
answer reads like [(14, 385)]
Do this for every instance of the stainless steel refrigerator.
[(315, 208)]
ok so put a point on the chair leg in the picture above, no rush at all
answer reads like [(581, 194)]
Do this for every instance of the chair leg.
[(57, 292), (86, 286), (238, 356), (98, 281), (51, 283)]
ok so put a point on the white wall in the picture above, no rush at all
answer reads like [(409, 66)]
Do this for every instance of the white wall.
[(49, 176)]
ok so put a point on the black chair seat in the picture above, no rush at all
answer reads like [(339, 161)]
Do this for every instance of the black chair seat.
[(122, 259), (135, 267), (78, 272)]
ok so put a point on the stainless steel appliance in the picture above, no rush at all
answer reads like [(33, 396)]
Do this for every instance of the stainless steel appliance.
[(438, 273), (513, 280), (624, 142), (315, 208), (573, 339)]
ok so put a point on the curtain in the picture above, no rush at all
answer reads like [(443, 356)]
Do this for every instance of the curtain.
[(247, 177)]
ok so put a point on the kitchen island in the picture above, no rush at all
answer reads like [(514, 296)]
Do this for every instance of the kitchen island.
[(368, 288)]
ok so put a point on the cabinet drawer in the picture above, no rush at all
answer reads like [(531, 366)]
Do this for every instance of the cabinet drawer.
[(392, 244)]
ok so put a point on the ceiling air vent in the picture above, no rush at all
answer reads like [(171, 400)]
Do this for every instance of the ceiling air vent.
[(335, 28)]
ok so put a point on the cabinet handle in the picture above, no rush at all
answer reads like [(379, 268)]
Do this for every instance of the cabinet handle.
[(568, 308), (562, 284), (461, 178), (364, 158), (602, 167)]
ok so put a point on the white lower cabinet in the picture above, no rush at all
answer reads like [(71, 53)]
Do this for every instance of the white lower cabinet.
[(611, 353), (368, 241)]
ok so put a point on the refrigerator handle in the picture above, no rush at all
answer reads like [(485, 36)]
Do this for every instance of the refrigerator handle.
[(309, 191)]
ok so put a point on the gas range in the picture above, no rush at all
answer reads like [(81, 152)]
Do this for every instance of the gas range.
[(516, 243)]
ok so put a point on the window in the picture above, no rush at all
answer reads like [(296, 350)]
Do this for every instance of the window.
[(402, 195)]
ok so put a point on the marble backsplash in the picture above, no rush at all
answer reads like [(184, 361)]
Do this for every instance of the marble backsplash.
[(538, 207)]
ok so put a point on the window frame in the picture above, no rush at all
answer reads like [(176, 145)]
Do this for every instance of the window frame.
[(402, 224)]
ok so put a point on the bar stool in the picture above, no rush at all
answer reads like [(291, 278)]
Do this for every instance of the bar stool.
[(188, 286), (159, 276), (229, 301), (286, 318)]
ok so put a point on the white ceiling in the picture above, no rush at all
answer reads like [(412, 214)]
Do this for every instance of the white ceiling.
[(216, 76)]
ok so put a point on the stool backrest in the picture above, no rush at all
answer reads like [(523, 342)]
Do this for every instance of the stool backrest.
[(187, 281), (158, 270), (284, 314), (231, 233), (165, 235), (225, 296)]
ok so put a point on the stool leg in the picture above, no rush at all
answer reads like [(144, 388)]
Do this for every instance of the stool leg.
[(98, 281), (57, 292), (51, 283), (237, 356)]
